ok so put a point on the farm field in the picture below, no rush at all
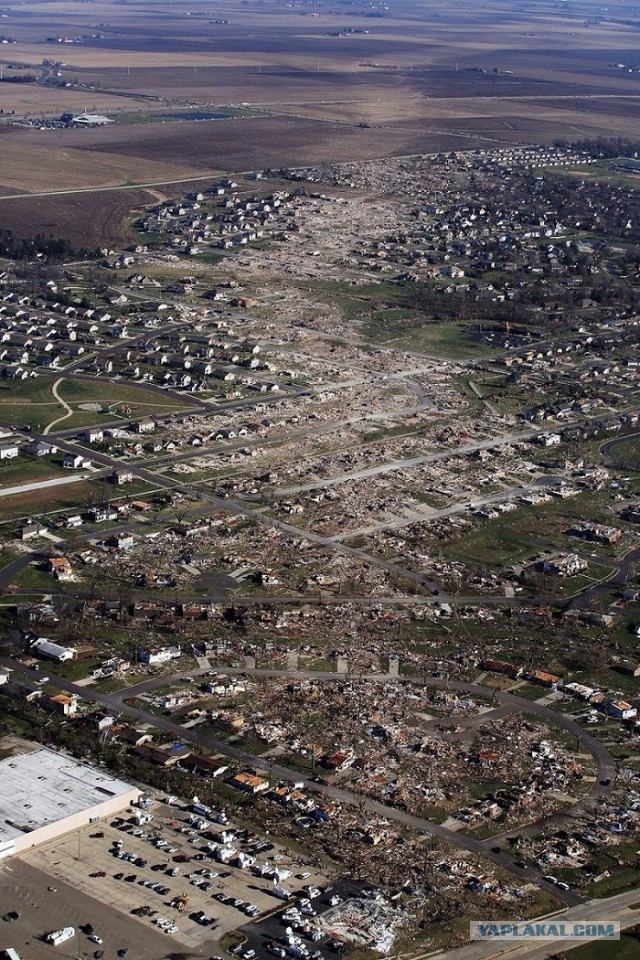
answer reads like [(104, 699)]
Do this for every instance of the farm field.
[(348, 295), (302, 86)]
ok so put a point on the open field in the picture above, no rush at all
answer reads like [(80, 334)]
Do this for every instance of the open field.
[(34, 502), (31, 402), (334, 86), (23, 470), (54, 164), (86, 220), (34, 99)]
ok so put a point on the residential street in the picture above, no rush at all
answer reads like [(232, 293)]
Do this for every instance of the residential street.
[(114, 702)]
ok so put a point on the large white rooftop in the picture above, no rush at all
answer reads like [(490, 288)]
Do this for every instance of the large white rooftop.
[(40, 788)]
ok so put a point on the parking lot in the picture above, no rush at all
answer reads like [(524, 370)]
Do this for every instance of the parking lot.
[(309, 938), (139, 871), (26, 889)]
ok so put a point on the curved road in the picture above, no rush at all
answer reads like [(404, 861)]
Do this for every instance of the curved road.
[(608, 449), (115, 704), (604, 761)]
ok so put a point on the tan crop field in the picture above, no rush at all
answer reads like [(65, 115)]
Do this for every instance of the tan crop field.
[(30, 99), (325, 85), (32, 166)]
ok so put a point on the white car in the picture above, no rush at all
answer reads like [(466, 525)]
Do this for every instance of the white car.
[(95, 938)]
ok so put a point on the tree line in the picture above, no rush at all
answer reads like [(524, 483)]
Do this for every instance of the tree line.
[(52, 248)]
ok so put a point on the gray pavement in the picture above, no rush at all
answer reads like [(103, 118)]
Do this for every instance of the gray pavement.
[(624, 907)]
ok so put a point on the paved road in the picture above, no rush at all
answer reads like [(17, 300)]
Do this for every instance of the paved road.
[(43, 484), (458, 451), (511, 704), (622, 907), (608, 449), (215, 175), (462, 506), (115, 704), (621, 576), (8, 572), (240, 508)]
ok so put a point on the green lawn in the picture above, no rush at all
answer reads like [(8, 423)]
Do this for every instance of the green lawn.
[(627, 948), (34, 502), (610, 170), (7, 556), (78, 669), (32, 577), (101, 391), (497, 543), (449, 340), (514, 536), (109, 685), (32, 402), (26, 469), (621, 880), (36, 390), (386, 313), (626, 453), (595, 573), (630, 686)]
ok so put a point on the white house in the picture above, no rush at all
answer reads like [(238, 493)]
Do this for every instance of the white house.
[(159, 655), (8, 451), (73, 461), (42, 449), (145, 426), (620, 709), (52, 651)]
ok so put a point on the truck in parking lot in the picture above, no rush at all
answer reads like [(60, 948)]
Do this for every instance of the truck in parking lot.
[(57, 937)]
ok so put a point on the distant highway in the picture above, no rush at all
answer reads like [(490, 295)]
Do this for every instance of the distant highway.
[(111, 187)]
